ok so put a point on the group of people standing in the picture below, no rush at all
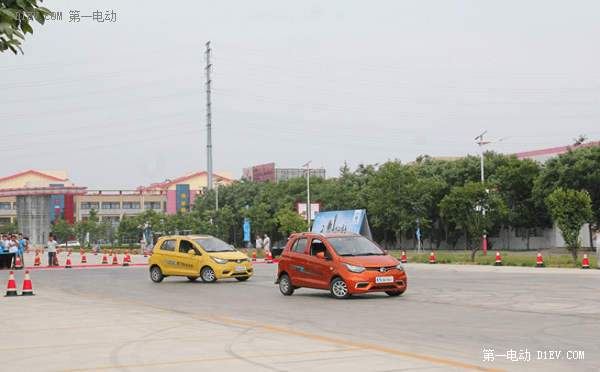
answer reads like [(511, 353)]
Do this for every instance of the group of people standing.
[(263, 245), (12, 245)]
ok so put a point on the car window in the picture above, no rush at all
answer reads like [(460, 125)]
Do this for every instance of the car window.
[(214, 245), (355, 246), (299, 245), (185, 246), (168, 245), (317, 246)]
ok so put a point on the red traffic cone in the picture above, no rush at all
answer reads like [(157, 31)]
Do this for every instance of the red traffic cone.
[(110, 254), (55, 260), (119, 251), (96, 251), (498, 259), (115, 260), (432, 258), (70, 251), (254, 255), (135, 251), (585, 264), (81, 251), (126, 259), (37, 261), (12, 287), (18, 265), (58, 250), (540, 261), (104, 259), (27, 287), (145, 253), (83, 258), (151, 252), (68, 264), (105, 251), (403, 259), (269, 257)]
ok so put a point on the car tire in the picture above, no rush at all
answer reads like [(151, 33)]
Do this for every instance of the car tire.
[(242, 278), (208, 275), (285, 285), (394, 293), (338, 289), (192, 278), (156, 274)]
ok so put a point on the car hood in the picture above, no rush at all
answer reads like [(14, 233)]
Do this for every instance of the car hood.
[(370, 261), (228, 255)]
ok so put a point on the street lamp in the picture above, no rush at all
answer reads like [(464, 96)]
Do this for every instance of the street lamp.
[(307, 193), (481, 144)]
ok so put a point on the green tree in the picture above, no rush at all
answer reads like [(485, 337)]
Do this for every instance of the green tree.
[(571, 209), (466, 205), (10, 227), (221, 221), (129, 230), (260, 218), (289, 220), (15, 16), (62, 230)]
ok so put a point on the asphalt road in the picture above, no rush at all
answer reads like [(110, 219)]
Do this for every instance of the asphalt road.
[(115, 318)]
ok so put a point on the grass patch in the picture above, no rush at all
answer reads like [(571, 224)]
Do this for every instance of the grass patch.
[(563, 261)]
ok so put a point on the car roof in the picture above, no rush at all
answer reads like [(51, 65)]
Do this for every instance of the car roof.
[(194, 236), (328, 235)]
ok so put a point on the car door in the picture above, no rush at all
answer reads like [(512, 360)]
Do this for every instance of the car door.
[(168, 257), (297, 262), (189, 265), (319, 269)]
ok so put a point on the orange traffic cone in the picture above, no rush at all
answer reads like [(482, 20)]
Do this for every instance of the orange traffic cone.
[(105, 251), (104, 259), (81, 251), (18, 265), (540, 262), (145, 253), (126, 259), (115, 260), (403, 259), (12, 287), (70, 251), (432, 258), (58, 250), (498, 259), (96, 251), (151, 252), (110, 254), (68, 264), (268, 257), (37, 261), (27, 287), (585, 264), (83, 259), (254, 255), (135, 251), (119, 251), (55, 260)]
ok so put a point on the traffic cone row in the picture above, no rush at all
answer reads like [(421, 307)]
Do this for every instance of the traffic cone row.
[(403, 259), (11, 290)]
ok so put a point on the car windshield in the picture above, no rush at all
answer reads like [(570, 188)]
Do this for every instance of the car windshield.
[(214, 245), (354, 246)]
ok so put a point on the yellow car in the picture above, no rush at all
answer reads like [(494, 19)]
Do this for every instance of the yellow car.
[(197, 256)]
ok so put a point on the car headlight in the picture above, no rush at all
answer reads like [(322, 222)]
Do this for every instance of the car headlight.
[(399, 266), (219, 260), (354, 269)]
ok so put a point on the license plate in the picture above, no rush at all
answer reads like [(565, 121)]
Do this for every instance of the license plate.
[(384, 279), (240, 268)]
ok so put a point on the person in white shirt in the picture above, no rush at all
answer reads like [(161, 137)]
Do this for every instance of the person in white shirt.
[(259, 246), (52, 251), (267, 243)]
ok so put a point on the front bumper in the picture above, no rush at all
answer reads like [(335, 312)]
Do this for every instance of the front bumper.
[(228, 270), (367, 282)]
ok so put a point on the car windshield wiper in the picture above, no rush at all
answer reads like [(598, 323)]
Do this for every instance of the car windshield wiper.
[(346, 254), (371, 254)]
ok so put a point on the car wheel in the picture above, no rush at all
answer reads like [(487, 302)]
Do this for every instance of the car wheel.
[(156, 274), (192, 278), (285, 285), (338, 288), (242, 278), (208, 275), (394, 293)]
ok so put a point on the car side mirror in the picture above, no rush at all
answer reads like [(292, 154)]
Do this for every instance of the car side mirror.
[(191, 252), (321, 255)]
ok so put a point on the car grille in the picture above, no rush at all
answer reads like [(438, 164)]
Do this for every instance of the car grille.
[(237, 261), (239, 274), (387, 268), (384, 287)]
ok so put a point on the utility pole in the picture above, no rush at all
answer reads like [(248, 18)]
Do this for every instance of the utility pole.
[(482, 181), (308, 194), (208, 120)]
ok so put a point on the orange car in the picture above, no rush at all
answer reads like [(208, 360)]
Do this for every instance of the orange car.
[(345, 264)]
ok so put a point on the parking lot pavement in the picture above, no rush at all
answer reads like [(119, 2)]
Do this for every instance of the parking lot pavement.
[(115, 318), (72, 331)]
